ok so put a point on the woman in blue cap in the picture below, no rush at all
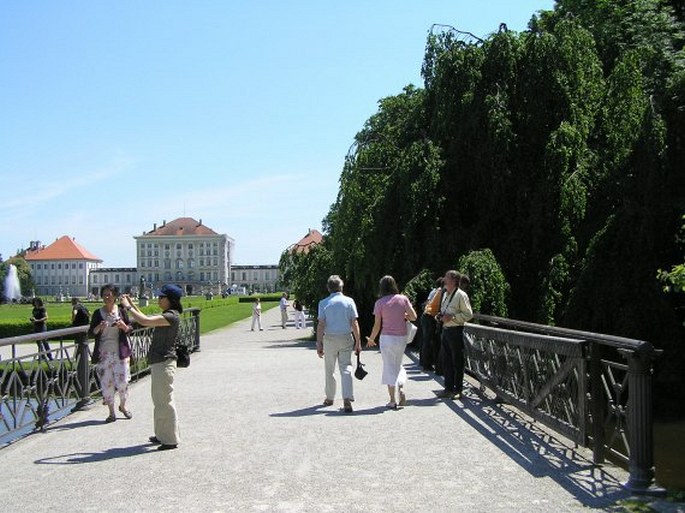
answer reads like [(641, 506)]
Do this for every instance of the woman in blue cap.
[(162, 360)]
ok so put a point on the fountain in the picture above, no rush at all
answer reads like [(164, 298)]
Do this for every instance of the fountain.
[(12, 287)]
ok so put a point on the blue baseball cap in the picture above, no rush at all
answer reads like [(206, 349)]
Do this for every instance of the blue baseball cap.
[(171, 291)]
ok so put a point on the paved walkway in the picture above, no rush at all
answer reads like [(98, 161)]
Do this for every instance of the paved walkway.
[(255, 438)]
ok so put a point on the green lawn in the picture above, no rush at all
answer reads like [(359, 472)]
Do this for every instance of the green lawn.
[(216, 313)]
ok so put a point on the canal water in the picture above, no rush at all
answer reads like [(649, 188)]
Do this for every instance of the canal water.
[(669, 454)]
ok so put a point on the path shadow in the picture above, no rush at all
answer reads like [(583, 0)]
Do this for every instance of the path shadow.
[(94, 457), (292, 344), (541, 453), (319, 410), (303, 412), (75, 425)]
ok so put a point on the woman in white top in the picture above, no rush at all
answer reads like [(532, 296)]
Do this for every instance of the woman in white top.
[(257, 314)]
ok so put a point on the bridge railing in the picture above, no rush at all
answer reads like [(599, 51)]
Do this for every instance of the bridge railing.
[(594, 389), (37, 387)]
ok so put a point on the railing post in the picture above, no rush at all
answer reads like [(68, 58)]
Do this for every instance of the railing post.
[(82, 371), (641, 435), (597, 409)]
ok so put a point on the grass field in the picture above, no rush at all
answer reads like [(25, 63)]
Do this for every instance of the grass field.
[(216, 313)]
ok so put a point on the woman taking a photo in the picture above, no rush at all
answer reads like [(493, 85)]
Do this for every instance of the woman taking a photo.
[(112, 351), (391, 313), (162, 360)]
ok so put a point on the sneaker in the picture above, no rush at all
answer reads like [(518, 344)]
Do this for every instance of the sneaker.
[(328, 402), (347, 406)]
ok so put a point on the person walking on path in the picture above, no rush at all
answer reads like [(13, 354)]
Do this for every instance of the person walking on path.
[(284, 309), (337, 335), (391, 313), (299, 314), (455, 311), (162, 359), (257, 314), (112, 351)]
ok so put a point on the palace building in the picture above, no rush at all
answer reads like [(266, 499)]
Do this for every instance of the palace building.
[(62, 268), (187, 253), (184, 251)]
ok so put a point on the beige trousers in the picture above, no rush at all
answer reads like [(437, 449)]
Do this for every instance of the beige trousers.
[(166, 423)]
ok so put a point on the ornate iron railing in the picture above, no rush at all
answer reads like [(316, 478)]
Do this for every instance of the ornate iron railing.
[(594, 389), (39, 387)]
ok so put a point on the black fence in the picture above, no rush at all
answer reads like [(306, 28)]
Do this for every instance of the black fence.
[(594, 389), (38, 387)]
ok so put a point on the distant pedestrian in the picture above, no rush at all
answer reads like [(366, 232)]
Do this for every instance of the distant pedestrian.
[(257, 314), (284, 309), (391, 313), (80, 316), (39, 318), (337, 335), (112, 352), (162, 359), (299, 314)]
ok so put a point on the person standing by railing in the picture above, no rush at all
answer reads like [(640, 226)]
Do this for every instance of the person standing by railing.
[(162, 359), (455, 311), (39, 318), (112, 352)]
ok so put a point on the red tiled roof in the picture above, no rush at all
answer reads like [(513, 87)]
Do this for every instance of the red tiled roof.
[(182, 226), (312, 238), (64, 248)]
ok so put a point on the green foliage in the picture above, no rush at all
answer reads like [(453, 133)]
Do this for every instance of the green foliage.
[(489, 290), (674, 281), (418, 288), (559, 149)]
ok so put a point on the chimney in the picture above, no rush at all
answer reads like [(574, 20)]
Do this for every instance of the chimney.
[(200, 223), (154, 226), (164, 223)]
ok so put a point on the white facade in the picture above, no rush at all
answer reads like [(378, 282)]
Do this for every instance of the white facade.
[(256, 278), (125, 278), (61, 277), (193, 257)]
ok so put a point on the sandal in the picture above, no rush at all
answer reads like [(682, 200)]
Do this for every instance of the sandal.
[(403, 399), (391, 406), (126, 413), (111, 418)]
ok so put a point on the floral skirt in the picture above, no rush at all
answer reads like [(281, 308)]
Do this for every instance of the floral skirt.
[(114, 375)]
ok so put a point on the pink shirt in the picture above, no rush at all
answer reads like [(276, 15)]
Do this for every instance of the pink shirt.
[(392, 310)]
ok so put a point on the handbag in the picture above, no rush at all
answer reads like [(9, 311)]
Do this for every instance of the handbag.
[(182, 356), (411, 332), (360, 373)]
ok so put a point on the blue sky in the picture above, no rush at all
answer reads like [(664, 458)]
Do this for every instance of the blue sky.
[(115, 115)]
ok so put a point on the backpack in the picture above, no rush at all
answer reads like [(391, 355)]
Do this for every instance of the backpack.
[(82, 316)]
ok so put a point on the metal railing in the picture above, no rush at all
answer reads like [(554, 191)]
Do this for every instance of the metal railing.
[(39, 387), (594, 389)]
